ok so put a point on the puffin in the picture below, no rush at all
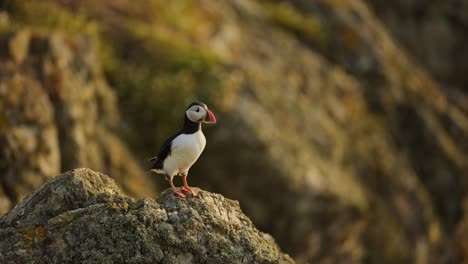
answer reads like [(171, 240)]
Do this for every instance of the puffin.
[(180, 151)]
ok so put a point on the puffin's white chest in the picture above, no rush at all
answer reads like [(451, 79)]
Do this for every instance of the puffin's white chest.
[(185, 150)]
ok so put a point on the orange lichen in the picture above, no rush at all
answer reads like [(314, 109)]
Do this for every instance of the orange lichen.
[(33, 235)]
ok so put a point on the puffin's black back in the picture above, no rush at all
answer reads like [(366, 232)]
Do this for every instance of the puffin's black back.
[(164, 152)]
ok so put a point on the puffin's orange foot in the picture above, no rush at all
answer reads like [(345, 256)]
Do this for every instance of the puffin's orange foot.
[(191, 190), (179, 192)]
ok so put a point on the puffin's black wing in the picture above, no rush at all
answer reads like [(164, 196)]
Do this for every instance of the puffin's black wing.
[(163, 153)]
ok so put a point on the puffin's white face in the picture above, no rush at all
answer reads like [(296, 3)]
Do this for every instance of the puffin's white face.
[(198, 113)]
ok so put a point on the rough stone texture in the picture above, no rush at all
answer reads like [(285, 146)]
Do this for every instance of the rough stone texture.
[(331, 136), (82, 217), (56, 113)]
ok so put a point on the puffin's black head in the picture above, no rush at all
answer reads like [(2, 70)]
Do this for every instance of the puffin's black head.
[(199, 112)]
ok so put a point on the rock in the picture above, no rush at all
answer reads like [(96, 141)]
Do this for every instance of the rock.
[(29, 142), (19, 45), (441, 26), (358, 155), (57, 113), (82, 217), (421, 117)]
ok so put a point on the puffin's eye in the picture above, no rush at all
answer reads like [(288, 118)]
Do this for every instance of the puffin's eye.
[(198, 109)]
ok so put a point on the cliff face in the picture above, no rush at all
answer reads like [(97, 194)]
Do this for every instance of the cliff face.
[(441, 26), (334, 139), (82, 217), (57, 114)]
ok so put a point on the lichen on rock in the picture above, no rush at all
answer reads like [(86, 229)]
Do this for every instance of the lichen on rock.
[(82, 217), (320, 101)]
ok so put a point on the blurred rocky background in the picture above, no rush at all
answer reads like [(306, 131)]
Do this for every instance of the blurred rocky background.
[(342, 125)]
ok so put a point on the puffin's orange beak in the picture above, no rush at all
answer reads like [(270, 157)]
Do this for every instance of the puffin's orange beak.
[(210, 118)]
